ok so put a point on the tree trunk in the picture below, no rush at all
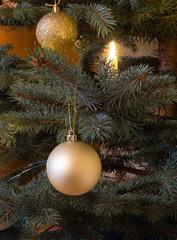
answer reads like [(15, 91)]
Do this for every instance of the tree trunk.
[(167, 54)]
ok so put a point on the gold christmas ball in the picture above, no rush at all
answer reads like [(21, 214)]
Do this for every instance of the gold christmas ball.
[(73, 168), (56, 30)]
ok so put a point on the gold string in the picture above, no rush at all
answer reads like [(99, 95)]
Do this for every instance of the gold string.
[(53, 5), (69, 113), (75, 110)]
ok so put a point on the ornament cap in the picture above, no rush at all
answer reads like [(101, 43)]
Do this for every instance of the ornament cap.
[(71, 137)]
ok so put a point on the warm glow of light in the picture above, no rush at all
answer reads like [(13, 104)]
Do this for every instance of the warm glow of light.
[(112, 55)]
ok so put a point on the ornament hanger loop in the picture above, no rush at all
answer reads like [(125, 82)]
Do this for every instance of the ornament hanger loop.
[(55, 6)]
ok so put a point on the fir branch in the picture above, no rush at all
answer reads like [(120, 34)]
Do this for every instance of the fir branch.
[(38, 193), (141, 183), (40, 101), (96, 127), (163, 229), (18, 122), (23, 15), (134, 170), (79, 89), (6, 137), (66, 75), (130, 92), (97, 16)]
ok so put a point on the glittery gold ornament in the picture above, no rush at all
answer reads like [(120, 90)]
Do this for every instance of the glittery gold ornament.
[(73, 168), (56, 30)]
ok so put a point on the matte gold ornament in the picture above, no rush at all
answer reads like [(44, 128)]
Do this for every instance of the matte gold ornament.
[(56, 30), (73, 168)]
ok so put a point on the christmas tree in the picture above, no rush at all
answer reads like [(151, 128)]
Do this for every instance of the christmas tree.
[(124, 114)]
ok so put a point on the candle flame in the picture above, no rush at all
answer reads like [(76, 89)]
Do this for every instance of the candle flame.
[(112, 55), (112, 51)]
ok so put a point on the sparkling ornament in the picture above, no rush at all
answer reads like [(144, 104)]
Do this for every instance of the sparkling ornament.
[(73, 168), (56, 30)]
